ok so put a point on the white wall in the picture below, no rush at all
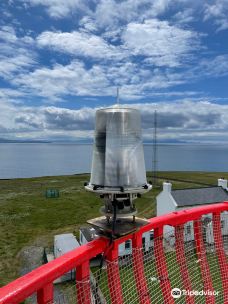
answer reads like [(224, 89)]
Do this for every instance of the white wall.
[(124, 249), (166, 204), (148, 243), (165, 201)]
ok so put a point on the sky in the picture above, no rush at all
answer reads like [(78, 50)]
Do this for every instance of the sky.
[(61, 60)]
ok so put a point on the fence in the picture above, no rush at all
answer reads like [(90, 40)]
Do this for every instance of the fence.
[(185, 262)]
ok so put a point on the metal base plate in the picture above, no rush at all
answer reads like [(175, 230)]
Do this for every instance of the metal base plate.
[(123, 227)]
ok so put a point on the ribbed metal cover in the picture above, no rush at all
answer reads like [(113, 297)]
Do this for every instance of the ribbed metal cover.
[(118, 158)]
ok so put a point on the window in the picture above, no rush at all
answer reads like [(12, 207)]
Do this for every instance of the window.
[(222, 224), (151, 236), (128, 244)]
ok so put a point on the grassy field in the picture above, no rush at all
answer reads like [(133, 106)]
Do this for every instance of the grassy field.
[(28, 218)]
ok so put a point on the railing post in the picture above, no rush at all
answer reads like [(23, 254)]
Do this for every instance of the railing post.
[(83, 283), (219, 248), (161, 266), (45, 295), (114, 282), (181, 260), (138, 268), (204, 267)]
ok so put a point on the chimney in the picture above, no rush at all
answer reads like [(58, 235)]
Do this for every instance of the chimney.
[(167, 186), (222, 183)]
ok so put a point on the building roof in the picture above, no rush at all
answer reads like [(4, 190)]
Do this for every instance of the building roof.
[(89, 233), (199, 196), (64, 243)]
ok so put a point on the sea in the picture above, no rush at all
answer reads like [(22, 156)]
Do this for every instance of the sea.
[(22, 160)]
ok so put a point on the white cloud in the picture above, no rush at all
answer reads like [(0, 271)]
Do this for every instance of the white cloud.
[(8, 66), (159, 42), (186, 121), (217, 10), (16, 54), (110, 13), (79, 44), (8, 34), (98, 80), (72, 79), (87, 24), (185, 16), (58, 8), (10, 94), (211, 67), (164, 44)]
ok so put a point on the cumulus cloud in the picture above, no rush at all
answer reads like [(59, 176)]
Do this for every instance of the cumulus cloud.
[(58, 8), (98, 80), (178, 120), (133, 44), (111, 14), (217, 11), (104, 12), (79, 44), (159, 42), (152, 42), (185, 115), (215, 67), (65, 119), (184, 16), (162, 43), (12, 61), (136, 81), (73, 79)]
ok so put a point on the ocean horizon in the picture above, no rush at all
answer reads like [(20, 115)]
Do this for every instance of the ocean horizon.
[(22, 160)]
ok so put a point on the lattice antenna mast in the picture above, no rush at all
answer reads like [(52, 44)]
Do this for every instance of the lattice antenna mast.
[(154, 169)]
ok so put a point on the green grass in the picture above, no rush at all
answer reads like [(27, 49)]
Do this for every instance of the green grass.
[(28, 218), (129, 287)]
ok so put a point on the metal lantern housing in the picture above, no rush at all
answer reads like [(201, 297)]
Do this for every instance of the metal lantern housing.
[(118, 168)]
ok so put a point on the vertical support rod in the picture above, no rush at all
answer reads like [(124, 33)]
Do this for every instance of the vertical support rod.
[(161, 266), (45, 295), (83, 283), (138, 269), (219, 248), (204, 266), (181, 260), (114, 282)]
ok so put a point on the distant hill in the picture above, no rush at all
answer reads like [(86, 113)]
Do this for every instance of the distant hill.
[(81, 141), (165, 141), (24, 141)]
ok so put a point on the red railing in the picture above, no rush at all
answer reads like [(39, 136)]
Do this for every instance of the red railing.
[(40, 280)]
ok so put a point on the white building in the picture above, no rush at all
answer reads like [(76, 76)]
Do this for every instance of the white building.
[(174, 200), (63, 243), (88, 234)]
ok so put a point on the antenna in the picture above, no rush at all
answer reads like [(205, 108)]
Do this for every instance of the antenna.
[(154, 167), (117, 96)]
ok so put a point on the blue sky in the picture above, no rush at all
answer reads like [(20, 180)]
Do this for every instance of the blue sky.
[(60, 60)]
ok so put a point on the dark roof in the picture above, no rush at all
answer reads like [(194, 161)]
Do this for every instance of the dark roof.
[(199, 196)]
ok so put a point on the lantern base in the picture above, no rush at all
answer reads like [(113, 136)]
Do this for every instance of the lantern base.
[(123, 226)]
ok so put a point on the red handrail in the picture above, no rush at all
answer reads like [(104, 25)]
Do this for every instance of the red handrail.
[(35, 280), (40, 280)]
